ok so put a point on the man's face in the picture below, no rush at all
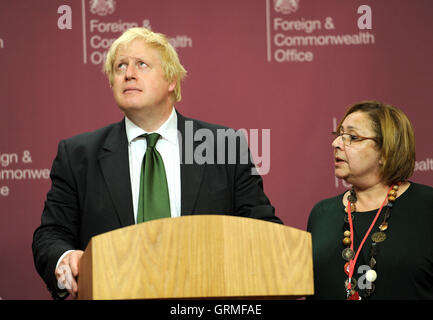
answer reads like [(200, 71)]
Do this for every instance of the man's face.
[(138, 79)]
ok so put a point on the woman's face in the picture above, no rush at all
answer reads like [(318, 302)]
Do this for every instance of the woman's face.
[(357, 162)]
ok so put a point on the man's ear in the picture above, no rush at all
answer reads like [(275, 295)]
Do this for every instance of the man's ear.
[(172, 85)]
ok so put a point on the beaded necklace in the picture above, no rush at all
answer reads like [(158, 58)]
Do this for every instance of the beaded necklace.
[(349, 254)]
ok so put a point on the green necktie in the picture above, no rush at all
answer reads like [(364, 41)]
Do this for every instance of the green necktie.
[(153, 201)]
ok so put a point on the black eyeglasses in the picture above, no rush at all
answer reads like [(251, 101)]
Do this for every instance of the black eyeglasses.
[(349, 138)]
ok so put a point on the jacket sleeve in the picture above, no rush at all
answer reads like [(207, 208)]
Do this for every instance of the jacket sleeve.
[(59, 228), (250, 199)]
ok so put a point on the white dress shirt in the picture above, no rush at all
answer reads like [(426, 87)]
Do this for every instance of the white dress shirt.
[(168, 147)]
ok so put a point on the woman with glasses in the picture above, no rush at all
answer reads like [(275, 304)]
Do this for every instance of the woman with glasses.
[(374, 241)]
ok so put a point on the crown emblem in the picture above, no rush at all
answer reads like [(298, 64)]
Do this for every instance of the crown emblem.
[(286, 6), (102, 7)]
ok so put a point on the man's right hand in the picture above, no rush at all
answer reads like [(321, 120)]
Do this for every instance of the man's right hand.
[(67, 272)]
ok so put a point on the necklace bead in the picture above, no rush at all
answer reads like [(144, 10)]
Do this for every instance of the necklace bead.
[(352, 208), (372, 262), (348, 254), (383, 226), (347, 241), (371, 275)]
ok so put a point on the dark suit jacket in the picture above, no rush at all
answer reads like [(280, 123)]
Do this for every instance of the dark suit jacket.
[(91, 190)]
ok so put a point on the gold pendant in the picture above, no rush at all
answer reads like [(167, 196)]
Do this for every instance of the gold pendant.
[(378, 237)]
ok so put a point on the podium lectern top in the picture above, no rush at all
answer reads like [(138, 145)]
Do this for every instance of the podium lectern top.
[(198, 256)]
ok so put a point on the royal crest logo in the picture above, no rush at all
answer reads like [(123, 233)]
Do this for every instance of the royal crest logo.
[(286, 6), (102, 7)]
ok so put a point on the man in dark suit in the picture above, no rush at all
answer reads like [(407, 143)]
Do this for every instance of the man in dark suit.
[(96, 184)]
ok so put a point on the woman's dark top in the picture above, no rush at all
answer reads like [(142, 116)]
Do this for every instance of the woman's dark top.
[(404, 260)]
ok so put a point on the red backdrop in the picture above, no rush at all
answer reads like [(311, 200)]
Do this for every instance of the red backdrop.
[(244, 70)]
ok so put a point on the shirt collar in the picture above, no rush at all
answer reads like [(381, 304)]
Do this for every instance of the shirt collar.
[(168, 130)]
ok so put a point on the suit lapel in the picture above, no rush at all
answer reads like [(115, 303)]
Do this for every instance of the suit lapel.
[(114, 163), (191, 174)]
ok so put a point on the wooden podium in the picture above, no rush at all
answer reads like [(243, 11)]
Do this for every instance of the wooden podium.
[(198, 256)]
